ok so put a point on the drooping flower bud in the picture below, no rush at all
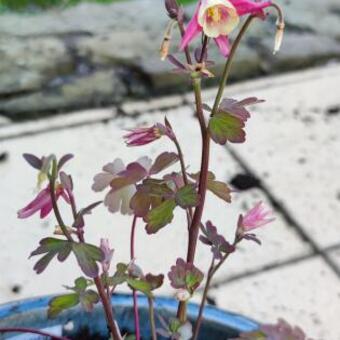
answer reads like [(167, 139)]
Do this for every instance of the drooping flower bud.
[(165, 46), (280, 27)]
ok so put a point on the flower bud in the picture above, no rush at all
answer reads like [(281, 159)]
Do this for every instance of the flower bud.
[(165, 46), (182, 295), (280, 27)]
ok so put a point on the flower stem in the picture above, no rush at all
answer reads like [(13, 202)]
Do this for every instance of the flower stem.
[(152, 319), (57, 212), (134, 292), (194, 229), (186, 49), (108, 310), (184, 174), (227, 68), (31, 331), (204, 299)]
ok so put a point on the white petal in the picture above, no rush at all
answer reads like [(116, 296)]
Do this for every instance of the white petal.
[(116, 166), (112, 201), (126, 195), (101, 181)]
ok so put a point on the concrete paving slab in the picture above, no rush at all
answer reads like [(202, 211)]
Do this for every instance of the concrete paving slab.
[(334, 254), (94, 146), (306, 294), (293, 146)]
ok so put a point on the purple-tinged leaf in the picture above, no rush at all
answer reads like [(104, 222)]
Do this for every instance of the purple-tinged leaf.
[(134, 173), (252, 237), (217, 242), (163, 161), (63, 160), (173, 60), (220, 189), (160, 216), (187, 196), (237, 108), (224, 127), (79, 220), (185, 276), (140, 203), (33, 160), (66, 181), (87, 256), (155, 281)]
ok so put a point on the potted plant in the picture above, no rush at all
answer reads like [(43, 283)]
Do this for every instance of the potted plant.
[(150, 191)]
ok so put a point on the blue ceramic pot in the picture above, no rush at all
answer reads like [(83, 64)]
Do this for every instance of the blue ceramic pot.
[(78, 324)]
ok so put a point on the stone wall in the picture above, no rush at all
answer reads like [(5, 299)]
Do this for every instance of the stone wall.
[(94, 55)]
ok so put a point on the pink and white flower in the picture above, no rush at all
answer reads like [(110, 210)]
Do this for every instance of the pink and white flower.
[(218, 18), (43, 202), (143, 136), (256, 217)]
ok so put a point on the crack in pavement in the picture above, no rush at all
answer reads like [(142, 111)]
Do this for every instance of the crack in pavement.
[(286, 215)]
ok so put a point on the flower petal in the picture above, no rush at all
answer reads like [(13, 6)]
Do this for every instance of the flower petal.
[(249, 7), (192, 30), (37, 204), (101, 181), (223, 44)]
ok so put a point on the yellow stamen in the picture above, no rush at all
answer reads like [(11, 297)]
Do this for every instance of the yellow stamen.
[(215, 14)]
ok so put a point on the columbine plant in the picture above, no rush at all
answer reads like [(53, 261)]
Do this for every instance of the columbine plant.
[(142, 189)]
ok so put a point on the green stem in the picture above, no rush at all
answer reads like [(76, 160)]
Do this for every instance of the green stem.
[(152, 319), (204, 299), (57, 212), (227, 68)]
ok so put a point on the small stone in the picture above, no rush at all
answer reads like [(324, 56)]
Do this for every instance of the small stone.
[(16, 289)]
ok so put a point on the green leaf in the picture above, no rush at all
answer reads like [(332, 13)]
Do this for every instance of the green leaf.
[(81, 283), (61, 303), (187, 196), (140, 285), (51, 247), (224, 127), (87, 256), (160, 216), (88, 299), (220, 189)]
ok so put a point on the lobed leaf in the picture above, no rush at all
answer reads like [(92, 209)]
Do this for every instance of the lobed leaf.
[(60, 303), (87, 256), (163, 161), (160, 216), (185, 276), (224, 127), (187, 196)]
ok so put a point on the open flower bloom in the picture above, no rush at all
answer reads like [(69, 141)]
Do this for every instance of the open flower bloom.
[(118, 200), (218, 18), (256, 217), (43, 202)]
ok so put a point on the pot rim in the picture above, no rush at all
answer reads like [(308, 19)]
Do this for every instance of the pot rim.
[(211, 313)]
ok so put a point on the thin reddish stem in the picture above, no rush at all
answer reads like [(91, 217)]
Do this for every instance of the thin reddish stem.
[(134, 292), (31, 331)]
